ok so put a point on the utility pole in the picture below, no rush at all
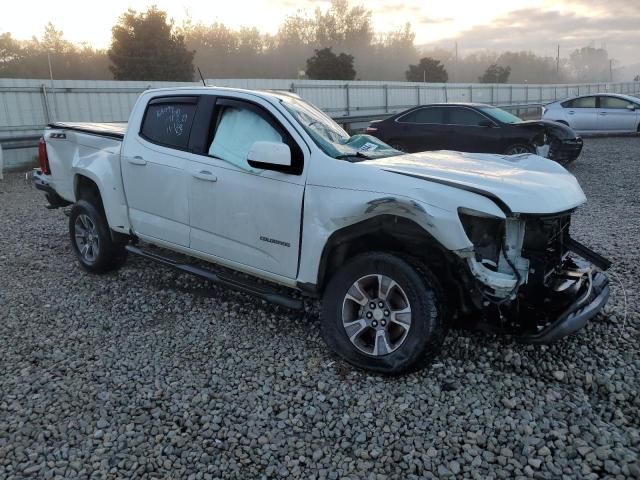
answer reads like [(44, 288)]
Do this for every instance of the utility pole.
[(455, 68), (558, 63), (53, 91), (611, 70)]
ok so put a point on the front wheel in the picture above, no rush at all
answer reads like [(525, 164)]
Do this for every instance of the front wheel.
[(91, 239), (518, 149), (384, 313)]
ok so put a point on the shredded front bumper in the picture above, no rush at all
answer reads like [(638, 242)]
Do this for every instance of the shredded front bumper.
[(589, 303), (565, 151)]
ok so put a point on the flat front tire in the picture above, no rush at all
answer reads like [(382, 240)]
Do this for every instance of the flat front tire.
[(91, 239), (384, 313)]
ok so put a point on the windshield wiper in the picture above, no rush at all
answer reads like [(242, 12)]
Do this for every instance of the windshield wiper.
[(351, 155)]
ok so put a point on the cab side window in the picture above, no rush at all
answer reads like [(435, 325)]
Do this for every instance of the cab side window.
[(237, 130), (238, 124), (168, 121)]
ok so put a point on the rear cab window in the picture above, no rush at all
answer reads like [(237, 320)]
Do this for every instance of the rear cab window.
[(168, 120)]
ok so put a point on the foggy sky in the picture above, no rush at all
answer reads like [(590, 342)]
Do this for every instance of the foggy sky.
[(537, 25)]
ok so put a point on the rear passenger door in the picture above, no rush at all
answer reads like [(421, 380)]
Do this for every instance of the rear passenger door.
[(581, 113), (247, 216), (616, 114), (153, 169), (422, 129)]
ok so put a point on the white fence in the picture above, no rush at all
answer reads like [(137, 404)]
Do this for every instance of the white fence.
[(26, 106)]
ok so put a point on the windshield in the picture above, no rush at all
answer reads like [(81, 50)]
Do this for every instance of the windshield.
[(501, 115), (333, 139)]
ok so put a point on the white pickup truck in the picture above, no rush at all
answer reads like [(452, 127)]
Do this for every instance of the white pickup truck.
[(398, 246)]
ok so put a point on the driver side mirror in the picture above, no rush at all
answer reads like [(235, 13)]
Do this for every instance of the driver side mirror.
[(486, 123), (269, 156), (631, 107)]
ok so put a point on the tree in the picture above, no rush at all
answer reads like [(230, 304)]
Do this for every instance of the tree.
[(326, 65), (144, 46), (11, 52), (590, 64), (495, 74), (427, 70)]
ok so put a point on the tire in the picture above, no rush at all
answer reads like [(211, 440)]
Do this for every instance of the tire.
[(518, 148), (408, 342), (91, 239)]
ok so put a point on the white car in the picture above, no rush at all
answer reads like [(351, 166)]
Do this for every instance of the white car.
[(398, 246), (597, 113)]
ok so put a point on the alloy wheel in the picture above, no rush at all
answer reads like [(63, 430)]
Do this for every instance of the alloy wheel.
[(517, 150), (376, 315), (86, 237)]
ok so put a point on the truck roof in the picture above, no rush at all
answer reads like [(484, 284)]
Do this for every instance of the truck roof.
[(272, 93)]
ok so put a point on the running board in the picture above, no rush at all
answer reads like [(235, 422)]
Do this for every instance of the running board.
[(241, 284)]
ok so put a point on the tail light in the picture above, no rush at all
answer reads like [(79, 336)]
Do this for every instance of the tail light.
[(371, 130), (43, 158)]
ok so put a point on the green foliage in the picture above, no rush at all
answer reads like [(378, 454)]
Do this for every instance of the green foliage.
[(144, 46), (495, 74), (222, 52), (326, 65), (30, 59), (428, 70)]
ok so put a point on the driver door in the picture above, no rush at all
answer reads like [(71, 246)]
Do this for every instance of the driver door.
[(245, 215)]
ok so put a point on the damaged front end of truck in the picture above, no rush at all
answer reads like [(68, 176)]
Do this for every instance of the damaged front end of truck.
[(540, 283)]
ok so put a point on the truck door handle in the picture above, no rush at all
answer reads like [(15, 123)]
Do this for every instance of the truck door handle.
[(137, 160), (571, 112), (205, 175), (602, 113)]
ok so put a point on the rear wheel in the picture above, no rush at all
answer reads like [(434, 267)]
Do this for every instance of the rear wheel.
[(91, 239), (384, 313), (518, 149)]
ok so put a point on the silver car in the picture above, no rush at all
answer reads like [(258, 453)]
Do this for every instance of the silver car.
[(596, 113)]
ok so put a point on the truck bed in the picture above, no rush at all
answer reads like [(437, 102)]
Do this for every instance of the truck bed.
[(113, 129)]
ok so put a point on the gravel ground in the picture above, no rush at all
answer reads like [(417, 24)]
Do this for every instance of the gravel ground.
[(146, 373)]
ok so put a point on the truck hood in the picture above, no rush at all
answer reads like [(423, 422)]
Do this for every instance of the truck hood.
[(523, 183)]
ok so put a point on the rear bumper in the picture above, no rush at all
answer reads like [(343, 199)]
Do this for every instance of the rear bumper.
[(590, 302), (42, 183)]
